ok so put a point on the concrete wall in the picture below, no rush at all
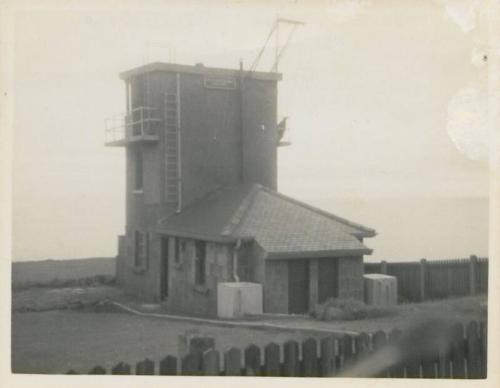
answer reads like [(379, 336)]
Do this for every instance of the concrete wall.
[(212, 156), (260, 132), (211, 137)]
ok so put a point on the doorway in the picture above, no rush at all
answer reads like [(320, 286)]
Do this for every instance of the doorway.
[(164, 268), (298, 286), (328, 273)]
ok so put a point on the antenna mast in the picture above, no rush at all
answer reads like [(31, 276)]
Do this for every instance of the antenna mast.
[(279, 52)]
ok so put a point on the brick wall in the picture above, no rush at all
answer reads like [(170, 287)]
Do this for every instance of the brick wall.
[(187, 297), (350, 277), (276, 287)]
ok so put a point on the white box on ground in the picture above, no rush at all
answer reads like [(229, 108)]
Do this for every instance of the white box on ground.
[(238, 299), (380, 290)]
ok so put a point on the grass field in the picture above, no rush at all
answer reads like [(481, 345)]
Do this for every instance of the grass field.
[(56, 341), (46, 271)]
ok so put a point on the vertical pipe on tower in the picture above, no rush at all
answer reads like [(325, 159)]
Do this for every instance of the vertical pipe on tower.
[(242, 160), (179, 154)]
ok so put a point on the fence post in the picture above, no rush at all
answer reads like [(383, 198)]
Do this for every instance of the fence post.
[(272, 360), (145, 367), (310, 358), (383, 267), (97, 370), (328, 360), (232, 362), (121, 369), (423, 263), (252, 360), (210, 363), (472, 274), (168, 366), (291, 366)]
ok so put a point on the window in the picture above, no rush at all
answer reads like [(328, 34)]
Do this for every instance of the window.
[(199, 267), (177, 253), (141, 249), (138, 171)]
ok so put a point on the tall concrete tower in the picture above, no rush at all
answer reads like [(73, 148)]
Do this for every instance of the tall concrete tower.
[(189, 130)]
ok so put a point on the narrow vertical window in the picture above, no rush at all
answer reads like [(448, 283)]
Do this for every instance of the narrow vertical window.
[(177, 249), (200, 258), (141, 249), (138, 171)]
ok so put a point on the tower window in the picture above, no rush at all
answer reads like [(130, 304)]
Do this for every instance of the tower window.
[(200, 258), (141, 249), (138, 170), (177, 248)]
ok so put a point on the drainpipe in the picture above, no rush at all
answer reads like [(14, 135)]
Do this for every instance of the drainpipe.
[(235, 261), (241, 124), (179, 154)]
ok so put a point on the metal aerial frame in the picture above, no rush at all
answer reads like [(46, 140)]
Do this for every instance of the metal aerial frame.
[(279, 52)]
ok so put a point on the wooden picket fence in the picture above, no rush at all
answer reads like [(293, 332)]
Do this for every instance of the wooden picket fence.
[(464, 355), (436, 279)]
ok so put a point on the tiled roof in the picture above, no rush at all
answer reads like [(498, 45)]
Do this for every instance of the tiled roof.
[(282, 226)]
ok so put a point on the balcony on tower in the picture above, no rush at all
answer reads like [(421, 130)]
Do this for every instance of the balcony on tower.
[(141, 124)]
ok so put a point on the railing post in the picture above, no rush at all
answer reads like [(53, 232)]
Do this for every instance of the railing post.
[(472, 274), (422, 279), (383, 267)]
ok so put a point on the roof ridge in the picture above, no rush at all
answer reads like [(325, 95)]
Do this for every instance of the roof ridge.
[(241, 211), (371, 232)]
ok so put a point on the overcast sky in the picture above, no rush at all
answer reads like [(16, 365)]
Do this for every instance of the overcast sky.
[(375, 95)]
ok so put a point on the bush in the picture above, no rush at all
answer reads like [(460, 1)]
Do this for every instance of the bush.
[(349, 309)]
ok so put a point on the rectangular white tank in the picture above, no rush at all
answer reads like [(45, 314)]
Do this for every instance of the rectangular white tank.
[(237, 299), (381, 290)]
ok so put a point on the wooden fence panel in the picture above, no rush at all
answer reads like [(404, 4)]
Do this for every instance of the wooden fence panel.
[(252, 360), (362, 346), (97, 370), (310, 358), (482, 275), (232, 362), (121, 369), (272, 360), (379, 341), (291, 365), (483, 333), (458, 352), (444, 369), (398, 369), (473, 350), (429, 365), (408, 275), (191, 365), (462, 355), (210, 363), (145, 367), (441, 278), (328, 360), (346, 351), (168, 366), (373, 268), (413, 366)]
